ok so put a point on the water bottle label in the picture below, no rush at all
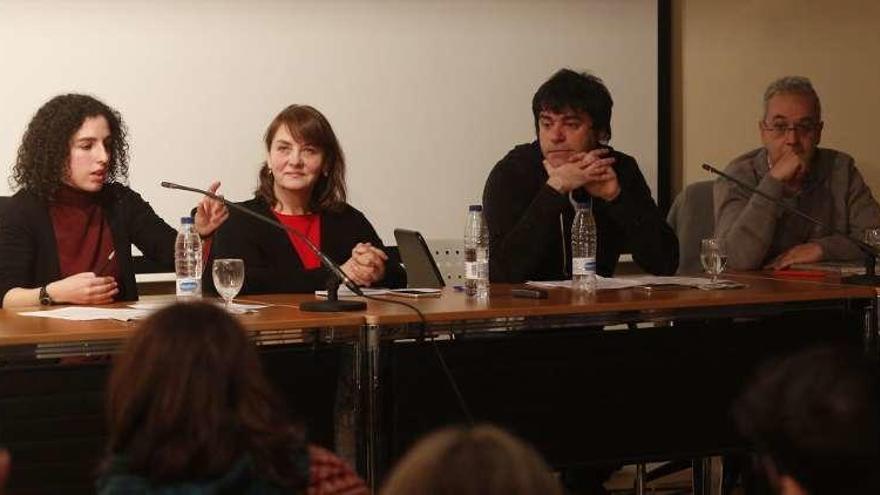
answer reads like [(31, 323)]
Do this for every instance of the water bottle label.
[(189, 287), (476, 270), (583, 266)]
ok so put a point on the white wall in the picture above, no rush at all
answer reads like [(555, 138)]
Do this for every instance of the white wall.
[(425, 96)]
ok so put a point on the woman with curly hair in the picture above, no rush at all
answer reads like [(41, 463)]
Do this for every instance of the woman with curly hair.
[(190, 411), (66, 235), (302, 185)]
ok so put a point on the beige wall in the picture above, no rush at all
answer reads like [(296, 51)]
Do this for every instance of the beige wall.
[(728, 51)]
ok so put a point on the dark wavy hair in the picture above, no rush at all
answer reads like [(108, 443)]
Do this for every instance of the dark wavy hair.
[(44, 152), (187, 399), (579, 91), (816, 416), (308, 125)]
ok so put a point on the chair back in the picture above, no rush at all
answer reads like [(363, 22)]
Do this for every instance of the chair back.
[(692, 216)]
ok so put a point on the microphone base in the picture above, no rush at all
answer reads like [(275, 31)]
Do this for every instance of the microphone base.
[(872, 280), (332, 306)]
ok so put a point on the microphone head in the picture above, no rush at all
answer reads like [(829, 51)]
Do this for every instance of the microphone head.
[(707, 167), (168, 185)]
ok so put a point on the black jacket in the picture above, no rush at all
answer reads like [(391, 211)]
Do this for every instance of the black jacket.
[(29, 252), (530, 223), (270, 260)]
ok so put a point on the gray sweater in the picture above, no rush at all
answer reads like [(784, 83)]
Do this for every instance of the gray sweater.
[(754, 231)]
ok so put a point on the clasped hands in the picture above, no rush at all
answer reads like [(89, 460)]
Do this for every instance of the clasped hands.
[(591, 170), (366, 265)]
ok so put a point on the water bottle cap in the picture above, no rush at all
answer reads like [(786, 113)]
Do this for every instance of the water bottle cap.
[(475, 208), (186, 220)]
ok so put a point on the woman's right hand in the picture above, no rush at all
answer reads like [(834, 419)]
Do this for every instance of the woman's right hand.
[(366, 265), (83, 288)]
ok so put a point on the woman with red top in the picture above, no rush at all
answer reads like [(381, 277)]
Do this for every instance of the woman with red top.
[(302, 185), (66, 235)]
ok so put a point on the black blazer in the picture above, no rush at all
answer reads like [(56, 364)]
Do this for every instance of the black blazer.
[(270, 260), (29, 252)]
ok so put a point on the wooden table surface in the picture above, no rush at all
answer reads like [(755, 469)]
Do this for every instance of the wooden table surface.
[(762, 289), (451, 306), (282, 314)]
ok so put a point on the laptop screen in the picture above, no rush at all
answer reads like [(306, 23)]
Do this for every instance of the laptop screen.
[(421, 269)]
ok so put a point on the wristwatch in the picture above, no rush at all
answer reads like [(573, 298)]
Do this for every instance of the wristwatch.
[(45, 298)]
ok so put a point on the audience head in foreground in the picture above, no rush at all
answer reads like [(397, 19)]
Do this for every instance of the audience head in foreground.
[(814, 421), (483, 460), (187, 403)]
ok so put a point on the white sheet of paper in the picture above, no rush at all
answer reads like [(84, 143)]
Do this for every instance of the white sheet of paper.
[(236, 308), (85, 313), (602, 283), (420, 290), (346, 292)]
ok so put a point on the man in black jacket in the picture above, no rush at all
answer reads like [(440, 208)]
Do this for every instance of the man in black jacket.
[(528, 196)]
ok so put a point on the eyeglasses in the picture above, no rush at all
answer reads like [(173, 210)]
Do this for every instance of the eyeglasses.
[(779, 129)]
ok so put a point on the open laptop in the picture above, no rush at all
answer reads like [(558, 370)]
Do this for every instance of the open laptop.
[(421, 269)]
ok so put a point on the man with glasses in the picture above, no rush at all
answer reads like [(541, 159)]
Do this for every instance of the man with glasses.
[(820, 182)]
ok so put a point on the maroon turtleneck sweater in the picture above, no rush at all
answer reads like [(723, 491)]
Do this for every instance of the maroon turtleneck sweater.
[(82, 233)]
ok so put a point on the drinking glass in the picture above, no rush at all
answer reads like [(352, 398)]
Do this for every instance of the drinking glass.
[(872, 238), (228, 276), (713, 257)]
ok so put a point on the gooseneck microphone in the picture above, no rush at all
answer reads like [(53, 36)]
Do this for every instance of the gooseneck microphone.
[(332, 303), (870, 252)]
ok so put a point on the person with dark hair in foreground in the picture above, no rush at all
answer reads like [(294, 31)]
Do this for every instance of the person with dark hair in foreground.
[(189, 411), (66, 234), (483, 460), (302, 185), (813, 420), (528, 196)]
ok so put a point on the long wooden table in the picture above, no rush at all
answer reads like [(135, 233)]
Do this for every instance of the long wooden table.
[(667, 346), (658, 385)]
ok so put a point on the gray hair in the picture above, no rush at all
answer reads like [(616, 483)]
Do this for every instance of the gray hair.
[(792, 84)]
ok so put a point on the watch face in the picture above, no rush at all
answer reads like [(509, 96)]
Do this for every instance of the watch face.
[(45, 300)]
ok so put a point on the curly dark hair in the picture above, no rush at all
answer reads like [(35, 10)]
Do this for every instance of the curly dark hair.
[(45, 147)]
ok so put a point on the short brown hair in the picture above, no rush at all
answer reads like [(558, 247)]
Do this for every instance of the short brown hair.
[(187, 399), (308, 125), (483, 460)]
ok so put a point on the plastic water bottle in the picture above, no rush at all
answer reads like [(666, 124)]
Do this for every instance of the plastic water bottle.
[(188, 260), (476, 254), (583, 250)]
